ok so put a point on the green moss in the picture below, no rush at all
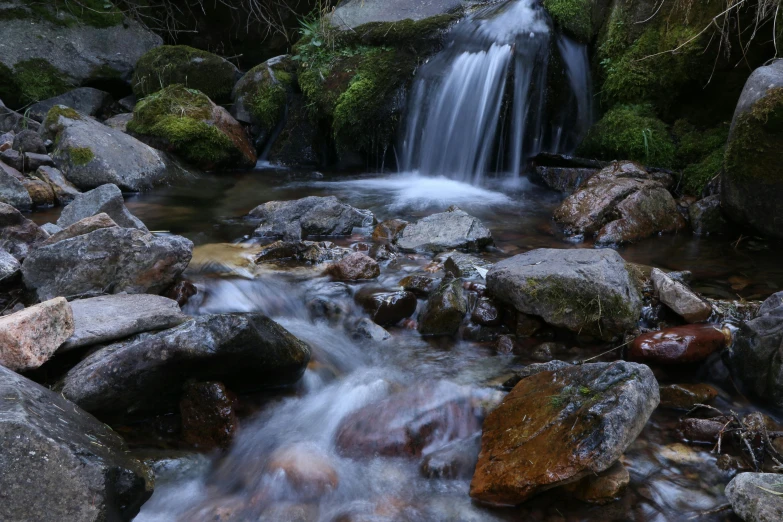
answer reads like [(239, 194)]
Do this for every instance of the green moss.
[(574, 16), (404, 33), (53, 116), (177, 116), (39, 80), (755, 150), (265, 94), (630, 132), (699, 153), (180, 64), (696, 175), (67, 13), (81, 155)]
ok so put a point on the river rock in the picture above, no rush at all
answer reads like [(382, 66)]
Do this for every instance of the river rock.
[(445, 310), (387, 308), (587, 291), (754, 497), (354, 267), (209, 419), (411, 423), (453, 229), (558, 427), (33, 162), (85, 100), (181, 292), (119, 122), (90, 154), (681, 299), (110, 317), (564, 179), (365, 329), (12, 189), (29, 337), (85, 226), (455, 460), (17, 233), (685, 396), (245, 351), (64, 190), (41, 193), (419, 284), (486, 313), (9, 267), (534, 369), (81, 469), (464, 265), (677, 345), (316, 216), (706, 216), (29, 141), (104, 199), (603, 488), (756, 357), (14, 159), (389, 230), (312, 252), (109, 260)]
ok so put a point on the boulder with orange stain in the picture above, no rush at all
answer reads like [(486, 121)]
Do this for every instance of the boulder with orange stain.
[(680, 344)]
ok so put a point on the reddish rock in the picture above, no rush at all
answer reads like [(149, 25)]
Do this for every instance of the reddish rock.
[(389, 230), (387, 308), (685, 396), (307, 470), (29, 337), (681, 344), (209, 418), (182, 291), (355, 267), (703, 430)]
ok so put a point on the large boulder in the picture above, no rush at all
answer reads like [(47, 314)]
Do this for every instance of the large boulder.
[(186, 122), (12, 189), (17, 233), (310, 216), (179, 64), (353, 13), (85, 100), (756, 357), (49, 49), (448, 230), (29, 337), (556, 427), (106, 199), (244, 351), (110, 317), (755, 497), (60, 463), (587, 291), (108, 260), (751, 179), (91, 154)]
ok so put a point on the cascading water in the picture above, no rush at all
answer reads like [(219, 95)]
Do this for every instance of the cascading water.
[(459, 105)]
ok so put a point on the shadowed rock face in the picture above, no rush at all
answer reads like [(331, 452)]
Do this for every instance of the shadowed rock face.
[(556, 427), (60, 463)]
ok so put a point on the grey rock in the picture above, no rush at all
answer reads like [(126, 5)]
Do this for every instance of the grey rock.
[(104, 199), (64, 190), (706, 216), (12, 121), (366, 329), (464, 265), (445, 310), (681, 299), (33, 162), (353, 13), (752, 498), (564, 179), (9, 267), (29, 141), (316, 216), (109, 260), (12, 190), (13, 158), (245, 351), (756, 356), (119, 122), (587, 291), (86, 100), (258, 78), (51, 228), (453, 229), (310, 252), (116, 157), (128, 103), (81, 470), (18, 234), (111, 317), (84, 226)]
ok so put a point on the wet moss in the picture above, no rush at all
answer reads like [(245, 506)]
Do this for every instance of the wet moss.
[(573, 16), (266, 96), (178, 116), (630, 132), (80, 155), (699, 154), (39, 80), (755, 149), (95, 13), (9, 89), (180, 64)]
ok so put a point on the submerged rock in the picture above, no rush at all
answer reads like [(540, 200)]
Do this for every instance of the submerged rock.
[(301, 251), (587, 291), (448, 230), (677, 345), (109, 260), (755, 497), (244, 350), (387, 308), (209, 419), (557, 427), (354, 267), (81, 469), (445, 310), (304, 468), (685, 396), (455, 460), (315, 216), (681, 299), (104, 199), (365, 329), (29, 337), (18, 235), (603, 488)]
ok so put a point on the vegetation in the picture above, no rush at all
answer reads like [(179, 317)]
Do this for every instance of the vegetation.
[(68, 13), (31, 81), (81, 155), (265, 90), (574, 16), (755, 150)]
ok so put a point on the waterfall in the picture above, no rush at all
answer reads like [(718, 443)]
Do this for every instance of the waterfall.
[(494, 74)]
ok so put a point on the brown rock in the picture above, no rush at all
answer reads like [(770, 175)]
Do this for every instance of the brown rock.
[(388, 230), (29, 337), (181, 292), (648, 211), (208, 413), (680, 344), (355, 267), (703, 430), (603, 488), (421, 285), (486, 313), (64, 190), (685, 396), (84, 226), (681, 299), (41, 193), (306, 469), (387, 308)]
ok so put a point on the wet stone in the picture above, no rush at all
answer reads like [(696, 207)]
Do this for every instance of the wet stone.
[(486, 313), (681, 299), (354, 267), (456, 460), (464, 265), (388, 230), (603, 488), (421, 285), (387, 308), (754, 496), (445, 310), (685, 396), (208, 414), (311, 252), (181, 292), (703, 430), (677, 345), (305, 469)]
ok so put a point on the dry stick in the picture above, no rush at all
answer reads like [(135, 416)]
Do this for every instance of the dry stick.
[(604, 353)]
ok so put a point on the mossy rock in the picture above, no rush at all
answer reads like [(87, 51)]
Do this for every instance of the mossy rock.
[(630, 132), (417, 34), (575, 17), (31, 81), (193, 68), (186, 122), (95, 13), (699, 154)]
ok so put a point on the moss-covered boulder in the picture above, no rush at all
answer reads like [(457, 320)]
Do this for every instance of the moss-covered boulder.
[(186, 122), (580, 19), (52, 47), (193, 68), (753, 179)]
